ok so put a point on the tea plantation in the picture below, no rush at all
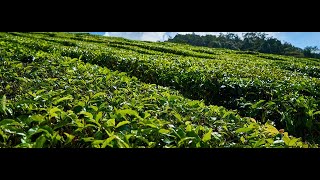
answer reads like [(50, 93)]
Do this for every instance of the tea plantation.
[(76, 90)]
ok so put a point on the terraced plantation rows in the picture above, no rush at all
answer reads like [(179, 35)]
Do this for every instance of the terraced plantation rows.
[(57, 91)]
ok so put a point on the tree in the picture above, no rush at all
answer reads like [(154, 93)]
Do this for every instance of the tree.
[(310, 51), (252, 41)]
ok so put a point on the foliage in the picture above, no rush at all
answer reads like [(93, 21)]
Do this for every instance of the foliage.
[(253, 41), (55, 93)]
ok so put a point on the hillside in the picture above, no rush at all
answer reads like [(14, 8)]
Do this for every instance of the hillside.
[(80, 90), (252, 41)]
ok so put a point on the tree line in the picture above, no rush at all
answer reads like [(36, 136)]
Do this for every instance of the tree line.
[(252, 41)]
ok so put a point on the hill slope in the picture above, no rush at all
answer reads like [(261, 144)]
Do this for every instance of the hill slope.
[(65, 90), (253, 41)]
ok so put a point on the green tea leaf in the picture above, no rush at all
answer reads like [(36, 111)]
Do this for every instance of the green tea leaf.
[(40, 142), (128, 136), (152, 125), (3, 104), (70, 137), (122, 123), (40, 91), (121, 143), (24, 79), (146, 115), (98, 116), (244, 130), (242, 139), (124, 112), (7, 87), (286, 139), (317, 112), (216, 135), (107, 141), (32, 94), (193, 104), (293, 142), (56, 137), (88, 139), (206, 137), (52, 112), (188, 128), (269, 140), (95, 108), (259, 143), (258, 104), (178, 116), (98, 94), (189, 139), (86, 114), (97, 142), (164, 131), (81, 103), (179, 133), (111, 123), (69, 97), (271, 129), (8, 122), (37, 117)]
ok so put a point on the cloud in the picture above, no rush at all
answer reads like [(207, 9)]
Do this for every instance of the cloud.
[(163, 36), (154, 36), (143, 36), (128, 35)]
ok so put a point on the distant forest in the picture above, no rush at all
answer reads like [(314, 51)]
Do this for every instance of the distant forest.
[(253, 41)]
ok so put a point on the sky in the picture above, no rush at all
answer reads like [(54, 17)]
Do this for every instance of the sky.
[(298, 39)]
